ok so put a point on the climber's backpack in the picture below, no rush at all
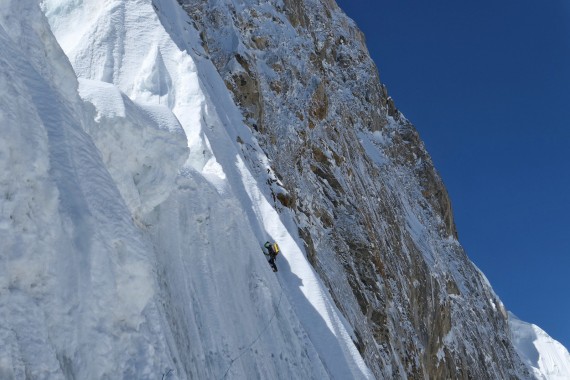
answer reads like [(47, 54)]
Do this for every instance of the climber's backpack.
[(275, 248)]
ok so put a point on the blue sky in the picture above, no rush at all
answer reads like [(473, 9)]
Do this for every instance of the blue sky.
[(487, 86)]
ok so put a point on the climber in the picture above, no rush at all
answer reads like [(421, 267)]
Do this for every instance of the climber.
[(272, 252)]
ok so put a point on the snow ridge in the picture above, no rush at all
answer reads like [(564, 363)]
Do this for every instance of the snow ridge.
[(545, 357)]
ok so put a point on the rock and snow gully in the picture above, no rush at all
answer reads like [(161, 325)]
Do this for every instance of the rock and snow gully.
[(150, 147)]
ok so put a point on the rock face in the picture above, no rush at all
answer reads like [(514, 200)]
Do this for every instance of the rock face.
[(372, 210)]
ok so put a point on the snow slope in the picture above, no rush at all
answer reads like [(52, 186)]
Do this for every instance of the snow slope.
[(131, 218), (546, 358)]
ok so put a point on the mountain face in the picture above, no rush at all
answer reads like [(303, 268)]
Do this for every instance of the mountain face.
[(150, 147), (372, 211)]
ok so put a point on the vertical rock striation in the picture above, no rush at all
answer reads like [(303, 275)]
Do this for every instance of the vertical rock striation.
[(373, 212)]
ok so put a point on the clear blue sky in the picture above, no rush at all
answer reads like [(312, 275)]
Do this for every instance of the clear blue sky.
[(487, 85)]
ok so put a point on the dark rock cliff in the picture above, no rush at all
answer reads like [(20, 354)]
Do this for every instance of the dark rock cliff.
[(373, 212)]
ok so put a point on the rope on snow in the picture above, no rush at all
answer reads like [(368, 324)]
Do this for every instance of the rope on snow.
[(257, 338)]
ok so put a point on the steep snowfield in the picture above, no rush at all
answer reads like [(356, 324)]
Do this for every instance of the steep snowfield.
[(131, 219), (546, 357)]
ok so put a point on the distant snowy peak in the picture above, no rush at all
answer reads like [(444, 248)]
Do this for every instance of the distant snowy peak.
[(545, 357)]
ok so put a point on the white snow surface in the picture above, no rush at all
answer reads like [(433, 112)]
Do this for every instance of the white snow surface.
[(133, 208), (547, 358)]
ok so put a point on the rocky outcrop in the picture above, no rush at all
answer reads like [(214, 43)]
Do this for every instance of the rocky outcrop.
[(370, 206)]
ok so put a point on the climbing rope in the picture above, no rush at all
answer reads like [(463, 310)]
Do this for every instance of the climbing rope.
[(257, 338), (167, 373)]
